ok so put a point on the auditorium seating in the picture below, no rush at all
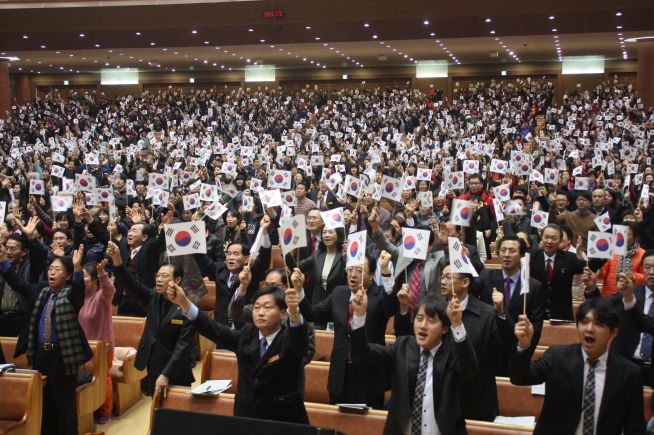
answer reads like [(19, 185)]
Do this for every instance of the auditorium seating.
[(320, 414), (90, 396), (552, 334), (516, 401), (325, 344), (207, 304), (126, 378), (21, 403), (220, 364)]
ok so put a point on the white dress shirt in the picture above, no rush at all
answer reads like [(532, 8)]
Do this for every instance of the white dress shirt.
[(553, 257), (600, 378), (649, 298), (514, 281)]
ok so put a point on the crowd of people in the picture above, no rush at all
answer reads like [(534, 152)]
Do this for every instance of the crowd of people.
[(88, 184)]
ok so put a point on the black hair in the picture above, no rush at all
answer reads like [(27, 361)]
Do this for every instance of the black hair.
[(244, 247), (92, 269), (568, 232), (236, 214), (278, 295), (603, 310), (67, 262), (556, 227), (584, 194), (513, 237), (521, 189), (563, 192), (340, 238), (281, 273), (178, 269), (65, 231), (634, 227), (647, 254), (20, 239), (372, 265), (435, 307)]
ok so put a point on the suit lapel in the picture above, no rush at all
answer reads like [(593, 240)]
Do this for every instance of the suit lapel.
[(515, 296), (610, 385), (639, 292), (412, 361), (440, 360), (577, 368), (336, 265), (320, 263)]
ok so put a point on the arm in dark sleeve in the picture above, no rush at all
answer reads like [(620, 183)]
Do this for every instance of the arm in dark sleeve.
[(18, 285), (525, 372), (77, 294), (643, 322), (238, 311), (298, 341), (379, 239), (78, 234), (158, 245), (99, 232), (38, 255), (179, 357), (537, 312), (633, 422), (466, 359), (133, 286), (260, 265), (311, 345), (363, 350), (222, 335), (207, 266), (321, 312), (402, 324)]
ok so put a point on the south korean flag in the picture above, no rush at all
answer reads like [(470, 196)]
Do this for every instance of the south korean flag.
[(92, 159), (415, 243), (599, 245), (57, 171), (208, 192), (37, 187), (191, 202), (185, 238)]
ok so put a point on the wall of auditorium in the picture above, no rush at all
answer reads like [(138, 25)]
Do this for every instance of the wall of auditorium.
[(294, 80)]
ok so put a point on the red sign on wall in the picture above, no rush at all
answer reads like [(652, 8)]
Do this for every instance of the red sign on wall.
[(273, 13)]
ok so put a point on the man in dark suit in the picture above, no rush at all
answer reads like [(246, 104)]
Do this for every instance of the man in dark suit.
[(269, 353), (496, 287), (422, 404), (226, 273), (350, 381), (555, 270), (140, 252), (588, 389), (168, 337)]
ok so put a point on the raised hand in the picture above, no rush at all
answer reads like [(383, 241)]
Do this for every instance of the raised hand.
[(265, 223), (100, 267), (384, 261), (524, 331), (297, 279), (114, 253), (454, 312), (175, 294), (589, 278), (292, 304), (57, 250), (78, 256), (360, 301), (625, 285), (245, 278), (498, 301), (29, 229), (373, 219), (403, 298)]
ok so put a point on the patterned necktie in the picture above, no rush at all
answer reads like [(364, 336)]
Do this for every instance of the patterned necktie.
[(416, 410), (47, 323), (507, 292), (550, 270), (263, 346), (414, 286), (588, 407), (648, 339)]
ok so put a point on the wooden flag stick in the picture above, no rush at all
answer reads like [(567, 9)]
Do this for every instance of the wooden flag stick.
[(524, 305), (288, 279)]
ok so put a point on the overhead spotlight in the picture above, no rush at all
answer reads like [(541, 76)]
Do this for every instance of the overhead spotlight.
[(366, 25), (488, 20), (426, 22), (194, 32), (618, 14), (552, 17)]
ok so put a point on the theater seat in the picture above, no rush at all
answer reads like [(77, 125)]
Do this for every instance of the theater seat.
[(325, 344), (21, 403), (207, 304), (220, 364), (517, 401), (126, 378), (553, 333)]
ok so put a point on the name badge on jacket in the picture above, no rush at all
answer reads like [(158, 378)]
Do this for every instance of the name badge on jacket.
[(177, 321)]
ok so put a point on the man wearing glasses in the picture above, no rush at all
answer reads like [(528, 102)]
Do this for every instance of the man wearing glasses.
[(501, 288)]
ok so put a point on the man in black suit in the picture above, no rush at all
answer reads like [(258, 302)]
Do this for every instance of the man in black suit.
[(588, 389), (269, 353), (140, 252), (168, 337), (420, 403), (226, 273), (555, 270), (496, 287), (350, 381)]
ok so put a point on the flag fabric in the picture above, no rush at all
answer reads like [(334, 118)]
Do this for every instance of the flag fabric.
[(415, 243), (353, 186), (57, 171), (256, 245), (333, 218), (208, 192), (271, 198), (513, 208), (459, 261), (191, 202), (644, 196), (471, 167), (68, 186), (85, 182), (426, 199), (215, 210), (456, 180), (499, 214), (375, 191), (333, 180), (356, 249), (525, 273), (228, 168), (61, 202), (620, 239), (461, 212), (104, 194), (92, 159), (391, 188), (130, 190), (185, 238), (423, 174), (603, 222), (292, 233), (90, 198), (247, 203), (289, 198), (582, 183), (158, 181), (551, 176), (499, 166), (539, 219), (408, 182), (160, 197), (279, 179), (599, 245), (255, 184), (502, 192), (37, 187), (3, 210), (536, 176)]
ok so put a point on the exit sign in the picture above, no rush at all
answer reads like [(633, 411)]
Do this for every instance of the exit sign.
[(273, 13)]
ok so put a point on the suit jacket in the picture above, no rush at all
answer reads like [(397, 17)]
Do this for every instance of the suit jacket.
[(313, 266), (493, 278), (452, 363), (558, 292), (268, 386), (218, 272), (562, 370), (335, 309), (168, 337)]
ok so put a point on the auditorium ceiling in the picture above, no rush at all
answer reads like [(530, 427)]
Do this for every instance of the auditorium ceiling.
[(49, 36)]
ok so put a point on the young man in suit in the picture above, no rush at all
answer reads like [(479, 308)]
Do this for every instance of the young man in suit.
[(168, 337), (501, 288), (226, 273), (269, 353), (426, 368), (589, 390), (350, 381), (555, 270)]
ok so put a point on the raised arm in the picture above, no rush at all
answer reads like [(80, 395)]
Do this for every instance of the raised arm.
[(523, 371), (126, 278)]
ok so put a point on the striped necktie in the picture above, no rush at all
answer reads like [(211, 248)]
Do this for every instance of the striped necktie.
[(589, 399)]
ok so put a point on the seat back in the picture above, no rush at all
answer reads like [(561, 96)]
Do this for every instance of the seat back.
[(220, 364), (325, 343), (316, 374), (552, 334), (208, 301), (128, 330), (8, 349), (328, 416), (486, 428), (17, 389), (179, 398), (516, 401)]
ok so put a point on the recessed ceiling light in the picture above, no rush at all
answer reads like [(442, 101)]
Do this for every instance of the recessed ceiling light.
[(374, 36), (618, 14), (262, 40), (488, 20), (492, 32), (307, 27), (366, 25), (554, 30), (618, 27), (317, 38), (432, 34), (552, 17), (43, 46), (426, 22), (138, 33), (152, 43), (250, 30), (25, 37), (97, 45), (81, 35), (194, 32)]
